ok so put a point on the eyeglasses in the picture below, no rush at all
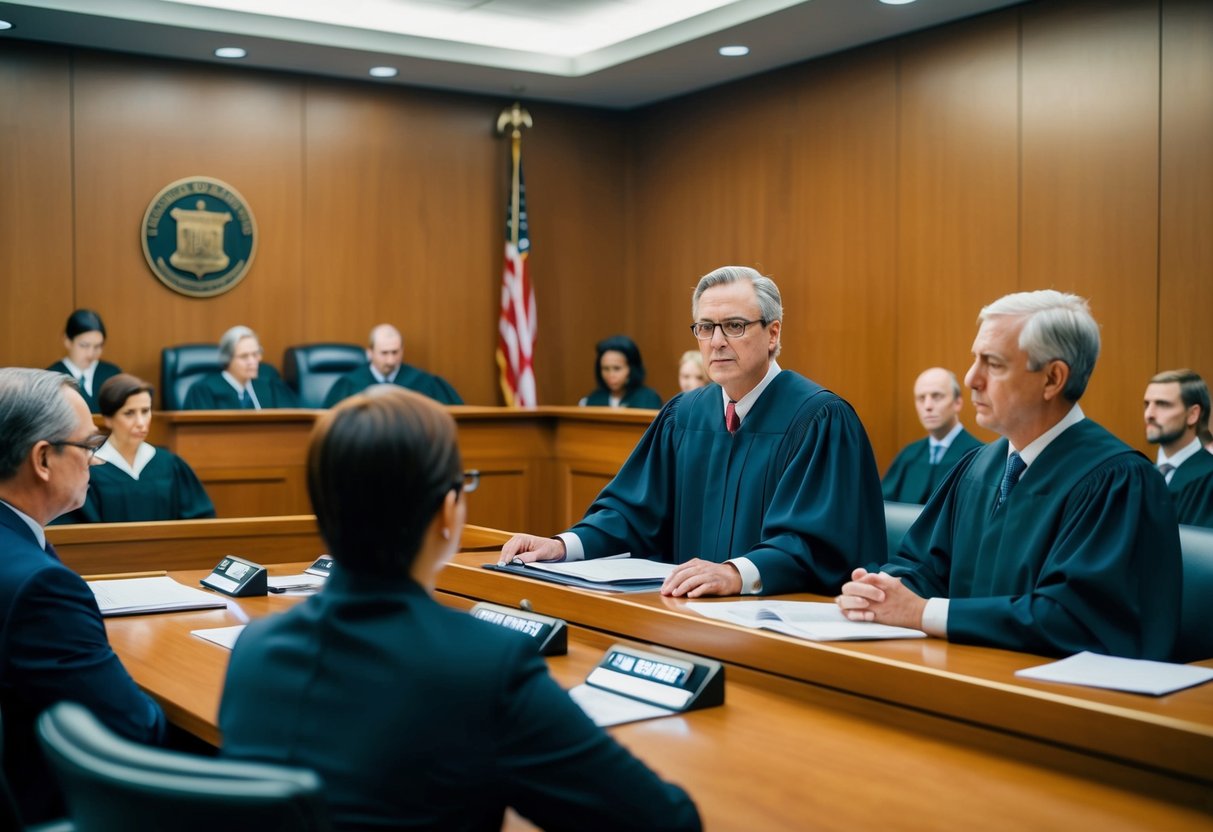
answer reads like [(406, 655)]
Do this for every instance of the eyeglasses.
[(469, 483), (90, 446), (732, 328)]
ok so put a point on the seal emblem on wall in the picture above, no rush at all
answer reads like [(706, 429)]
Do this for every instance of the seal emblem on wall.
[(199, 236)]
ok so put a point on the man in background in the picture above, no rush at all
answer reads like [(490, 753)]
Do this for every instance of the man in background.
[(1176, 413), (385, 365)]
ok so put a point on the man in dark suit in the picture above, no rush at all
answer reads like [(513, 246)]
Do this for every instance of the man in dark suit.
[(385, 365), (1177, 412), (52, 640), (921, 465)]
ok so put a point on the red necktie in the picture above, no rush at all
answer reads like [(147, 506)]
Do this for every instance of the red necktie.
[(731, 420)]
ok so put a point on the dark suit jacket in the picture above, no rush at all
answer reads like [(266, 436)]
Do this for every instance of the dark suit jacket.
[(105, 371), (419, 716), (911, 478), (212, 392), (427, 384), (640, 397), (53, 647), (1192, 487)]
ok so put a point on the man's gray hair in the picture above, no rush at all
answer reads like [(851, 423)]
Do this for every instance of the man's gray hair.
[(955, 382), (227, 344), (770, 304), (1059, 327), (32, 408)]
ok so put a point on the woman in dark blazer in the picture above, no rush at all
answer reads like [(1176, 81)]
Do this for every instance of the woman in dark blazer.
[(619, 372), (84, 337), (416, 715), (243, 384)]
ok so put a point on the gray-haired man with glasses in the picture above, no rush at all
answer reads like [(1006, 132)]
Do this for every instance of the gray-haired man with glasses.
[(761, 482), (52, 642)]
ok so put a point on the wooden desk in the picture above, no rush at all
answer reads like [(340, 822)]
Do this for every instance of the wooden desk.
[(781, 754)]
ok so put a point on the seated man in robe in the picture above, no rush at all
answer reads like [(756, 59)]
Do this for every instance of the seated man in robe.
[(1055, 539), (921, 465), (385, 366), (761, 482), (1177, 411)]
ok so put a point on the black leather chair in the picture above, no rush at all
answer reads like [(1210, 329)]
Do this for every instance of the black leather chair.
[(114, 785), (1196, 622), (180, 367), (10, 818), (312, 369), (898, 517)]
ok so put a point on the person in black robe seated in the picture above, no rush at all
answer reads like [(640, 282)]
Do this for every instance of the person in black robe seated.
[(416, 715), (619, 371), (84, 337), (921, 465), (243, 384), (1055, 539), (1177, 411), (761, 482), (138, 481), (385, 355)]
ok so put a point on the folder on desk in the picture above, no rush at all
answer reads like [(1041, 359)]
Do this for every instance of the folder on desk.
[(131, 596), (610, 574), (810, 620)]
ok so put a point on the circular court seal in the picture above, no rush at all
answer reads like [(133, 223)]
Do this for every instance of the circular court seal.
[(199, 236)]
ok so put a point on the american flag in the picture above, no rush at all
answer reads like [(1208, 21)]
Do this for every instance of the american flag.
[(516, 328)]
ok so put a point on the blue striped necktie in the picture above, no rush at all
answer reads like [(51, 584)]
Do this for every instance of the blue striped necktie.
[(1015, 467)]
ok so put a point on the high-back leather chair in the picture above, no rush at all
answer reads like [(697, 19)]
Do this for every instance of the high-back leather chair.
[(1195, 626), (10, 817), (180, 367), (898, 517), (311, 370), (114, 785)]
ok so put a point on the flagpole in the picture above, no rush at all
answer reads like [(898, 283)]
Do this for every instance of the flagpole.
[(516, 327), (514, 117)]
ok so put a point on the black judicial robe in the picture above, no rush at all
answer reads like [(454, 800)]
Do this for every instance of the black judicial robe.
[(167, 489), (212, 392), (645, 397), (1083, 555), (1192, 487), (911, 478), (105, 371), (427, 384), (795, 490)]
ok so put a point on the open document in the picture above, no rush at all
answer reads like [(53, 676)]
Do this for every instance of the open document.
[(617, 573), (811, 620), (130, 596)]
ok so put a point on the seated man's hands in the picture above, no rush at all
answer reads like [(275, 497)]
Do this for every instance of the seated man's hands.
[(697, 577), (877, 596), (528, 548)]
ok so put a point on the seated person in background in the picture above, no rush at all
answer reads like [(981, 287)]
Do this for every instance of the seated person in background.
[(52, 640), (414, 714), (921, 465), (241, 385), (1055, 539), (760, 483), (1206, 439), (385, 357), (138, 481), (84, 337), (1177, 410), (690, 371), (619, 371)]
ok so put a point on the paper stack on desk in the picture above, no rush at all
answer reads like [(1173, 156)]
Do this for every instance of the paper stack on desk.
[(131, 596), (811, 620), (616, 573)]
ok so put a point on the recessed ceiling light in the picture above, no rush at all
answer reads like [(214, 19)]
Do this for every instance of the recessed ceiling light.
[(734, 51), (4, 24), (384, 71), (230, 52), (896, 2)]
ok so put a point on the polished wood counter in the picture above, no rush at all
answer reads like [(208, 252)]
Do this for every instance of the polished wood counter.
[(779, 755)]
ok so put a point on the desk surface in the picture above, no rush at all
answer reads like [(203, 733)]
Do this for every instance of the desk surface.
[(780, 754)]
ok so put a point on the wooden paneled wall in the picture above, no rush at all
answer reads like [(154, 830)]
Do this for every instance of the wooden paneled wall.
[(891, 191)]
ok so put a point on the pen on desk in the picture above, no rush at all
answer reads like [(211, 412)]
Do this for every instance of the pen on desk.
[(114, 576)]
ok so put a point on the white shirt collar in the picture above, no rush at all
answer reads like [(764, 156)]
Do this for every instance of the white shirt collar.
[(1036, 446), (1182, 456), (742, 406), (143, 455), (85, 377), (380, 377), (38, 531), (947, 441), (252, 394)]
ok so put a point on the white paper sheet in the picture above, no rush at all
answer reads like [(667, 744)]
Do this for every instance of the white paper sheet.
[(606, 708), (606, 570), (223, 636), (128, 596), (810, 620), (1114, 673), (301, 583)]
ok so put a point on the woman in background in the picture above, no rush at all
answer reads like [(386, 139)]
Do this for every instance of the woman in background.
[(619, 371), (416, 715), (690, 371), (84, 337), (138, 481), (243, 384)]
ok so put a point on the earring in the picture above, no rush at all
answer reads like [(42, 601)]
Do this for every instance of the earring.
[(446, 534)]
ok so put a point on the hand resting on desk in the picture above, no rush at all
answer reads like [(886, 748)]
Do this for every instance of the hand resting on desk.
[(877, 596), (697, 578), (529, 548)]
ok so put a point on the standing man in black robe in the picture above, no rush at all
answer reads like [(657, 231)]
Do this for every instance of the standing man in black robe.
[(1055, 539), (1177, 411), (761, 482), (921, 465)]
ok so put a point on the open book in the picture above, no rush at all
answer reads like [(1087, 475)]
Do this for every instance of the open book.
[(811, 620)]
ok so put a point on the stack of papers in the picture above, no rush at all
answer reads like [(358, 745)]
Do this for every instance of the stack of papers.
[(618, 573), (223, 636), (1114, 673), (811, 620), (301, 583), (130, 596)]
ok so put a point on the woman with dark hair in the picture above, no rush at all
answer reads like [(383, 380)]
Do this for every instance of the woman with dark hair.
[(414, 714), (84, 337), (138, 480), (619, 371)]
